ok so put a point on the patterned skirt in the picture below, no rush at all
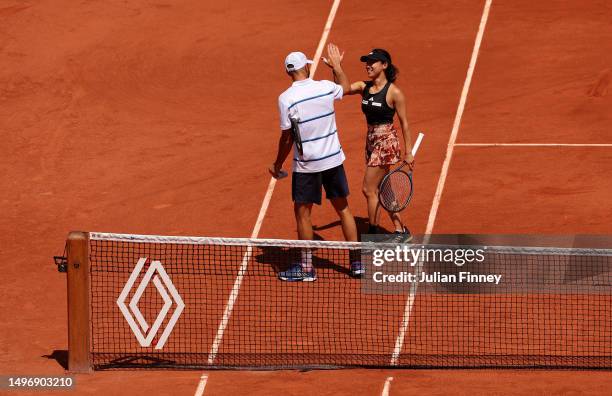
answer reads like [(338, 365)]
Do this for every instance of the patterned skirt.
[(382, 145)]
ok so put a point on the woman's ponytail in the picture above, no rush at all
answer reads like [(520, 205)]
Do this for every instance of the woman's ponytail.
[(391, 72)]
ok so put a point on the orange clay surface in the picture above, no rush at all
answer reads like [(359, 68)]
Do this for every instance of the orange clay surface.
[(159, 117)]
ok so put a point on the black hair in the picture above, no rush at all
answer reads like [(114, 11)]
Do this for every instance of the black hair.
[(391, 71)]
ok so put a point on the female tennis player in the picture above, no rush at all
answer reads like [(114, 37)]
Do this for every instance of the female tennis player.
[(381, 100)]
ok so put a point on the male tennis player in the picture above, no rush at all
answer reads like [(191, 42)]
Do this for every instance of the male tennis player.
[(307, 116)]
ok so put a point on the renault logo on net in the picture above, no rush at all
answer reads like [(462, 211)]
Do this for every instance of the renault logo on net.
[(143, 332)]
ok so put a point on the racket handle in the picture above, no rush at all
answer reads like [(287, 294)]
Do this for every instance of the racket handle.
[(282, 174), (415, 148)]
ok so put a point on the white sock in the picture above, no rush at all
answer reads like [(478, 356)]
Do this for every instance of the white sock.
[(307, 259)]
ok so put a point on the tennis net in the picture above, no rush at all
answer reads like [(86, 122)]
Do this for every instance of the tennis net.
[(190, 302)]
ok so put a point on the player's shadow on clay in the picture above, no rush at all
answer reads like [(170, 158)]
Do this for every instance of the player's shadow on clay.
[(362, 226), (281, 258)]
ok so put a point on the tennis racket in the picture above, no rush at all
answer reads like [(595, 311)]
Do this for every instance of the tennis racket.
[(295, 133), (297, 139), (395, 189)]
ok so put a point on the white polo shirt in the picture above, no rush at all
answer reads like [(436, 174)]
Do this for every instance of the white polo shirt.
[(312, 102)]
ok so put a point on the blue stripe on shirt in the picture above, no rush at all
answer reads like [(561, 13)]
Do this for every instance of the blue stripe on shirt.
[(319, 159), (312, 97), (320, 137), (316, 118)]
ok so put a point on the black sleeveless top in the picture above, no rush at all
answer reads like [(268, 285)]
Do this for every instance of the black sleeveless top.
[(375, 106)]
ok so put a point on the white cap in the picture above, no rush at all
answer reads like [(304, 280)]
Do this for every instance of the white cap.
[(295, 61)]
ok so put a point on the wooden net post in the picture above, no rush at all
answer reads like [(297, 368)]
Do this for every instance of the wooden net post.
[(79, 307)]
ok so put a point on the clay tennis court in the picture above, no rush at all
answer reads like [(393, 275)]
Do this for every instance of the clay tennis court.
[(160, 118)]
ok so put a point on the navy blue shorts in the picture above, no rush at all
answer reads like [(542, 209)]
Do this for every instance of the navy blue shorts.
[(306, 187)]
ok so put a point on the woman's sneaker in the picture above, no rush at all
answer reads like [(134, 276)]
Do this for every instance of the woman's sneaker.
[(401, 236), (297, 274)]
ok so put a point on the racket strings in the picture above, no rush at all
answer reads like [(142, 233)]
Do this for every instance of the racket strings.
[(395, 191)]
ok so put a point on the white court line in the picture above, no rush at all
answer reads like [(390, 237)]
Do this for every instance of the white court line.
[(387, 387), (326, 30), (533, 144), (399, 342), (229, 307), (453, 137), (201, 385)]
